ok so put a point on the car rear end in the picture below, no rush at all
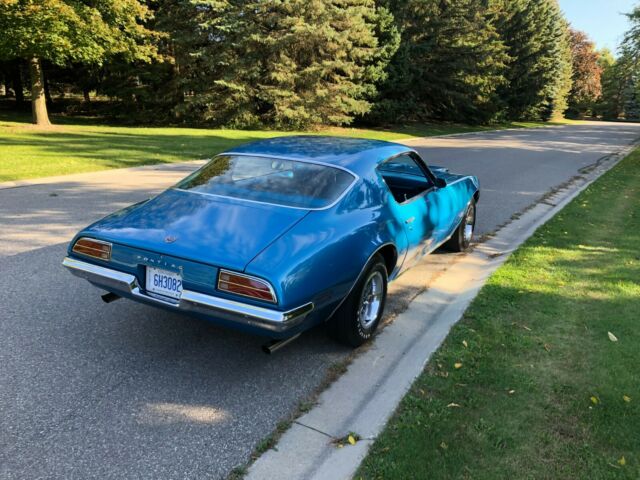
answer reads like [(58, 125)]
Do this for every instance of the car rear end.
[(188, 249)]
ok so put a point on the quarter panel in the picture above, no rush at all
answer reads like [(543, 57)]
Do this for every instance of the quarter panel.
[(321, 257)]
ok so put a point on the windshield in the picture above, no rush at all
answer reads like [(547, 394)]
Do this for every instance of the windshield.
[(270, 180)]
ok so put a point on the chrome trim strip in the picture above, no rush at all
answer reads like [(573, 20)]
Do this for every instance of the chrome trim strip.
[(190, 301), (107, 277), (355, 176)]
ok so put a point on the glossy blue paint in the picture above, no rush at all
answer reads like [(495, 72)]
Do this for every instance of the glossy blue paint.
[(307, 255), (218, 231)]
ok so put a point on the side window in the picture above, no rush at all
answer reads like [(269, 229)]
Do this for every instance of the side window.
[(404, 177)]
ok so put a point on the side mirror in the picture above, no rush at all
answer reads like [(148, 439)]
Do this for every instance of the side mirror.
[(441, 182)]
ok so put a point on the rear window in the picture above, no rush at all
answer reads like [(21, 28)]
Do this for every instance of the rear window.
[(270, 180)]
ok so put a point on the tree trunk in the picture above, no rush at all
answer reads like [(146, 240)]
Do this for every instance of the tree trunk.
[(16, 81), (85, 94), (38, 102)]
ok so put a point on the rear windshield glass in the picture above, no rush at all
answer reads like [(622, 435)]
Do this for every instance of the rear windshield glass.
[(282, 182)]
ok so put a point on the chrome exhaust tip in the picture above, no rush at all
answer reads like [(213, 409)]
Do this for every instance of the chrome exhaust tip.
[(275, 345), (110, 297)]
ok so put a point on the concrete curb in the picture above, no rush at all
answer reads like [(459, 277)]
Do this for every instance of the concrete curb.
[(363, 399)]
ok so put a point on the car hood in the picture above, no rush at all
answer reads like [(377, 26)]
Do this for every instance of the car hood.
[(219, 231)]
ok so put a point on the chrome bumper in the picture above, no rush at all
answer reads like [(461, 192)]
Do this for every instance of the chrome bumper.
[(195, 302)]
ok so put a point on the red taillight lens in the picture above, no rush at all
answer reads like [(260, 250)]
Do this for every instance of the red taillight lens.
[(246, 286), (93, 248)]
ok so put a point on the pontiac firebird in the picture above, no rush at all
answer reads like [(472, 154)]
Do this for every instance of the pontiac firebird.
[(279, 235)]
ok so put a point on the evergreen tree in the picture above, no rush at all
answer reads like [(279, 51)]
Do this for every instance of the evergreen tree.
[(631, 98), (539, 75), (449, 64), (610, 105), (292, 63)]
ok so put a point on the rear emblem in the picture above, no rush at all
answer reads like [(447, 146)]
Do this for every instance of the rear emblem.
[(170, 239)]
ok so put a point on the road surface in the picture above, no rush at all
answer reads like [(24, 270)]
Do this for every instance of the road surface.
[(89, 390)]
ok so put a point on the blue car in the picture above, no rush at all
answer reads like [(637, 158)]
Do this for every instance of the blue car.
[(279, 235)]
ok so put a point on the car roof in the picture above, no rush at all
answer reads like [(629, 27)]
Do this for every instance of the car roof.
[(358, 155)]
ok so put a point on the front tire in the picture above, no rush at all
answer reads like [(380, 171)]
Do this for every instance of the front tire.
[(357, 318), (461, 238)]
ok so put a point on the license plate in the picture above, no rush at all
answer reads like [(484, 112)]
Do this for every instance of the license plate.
[(164, 282)]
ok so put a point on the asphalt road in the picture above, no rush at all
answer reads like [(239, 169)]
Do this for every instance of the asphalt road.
[(89, 390)]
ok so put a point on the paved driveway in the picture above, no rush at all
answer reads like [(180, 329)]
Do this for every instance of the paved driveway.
[(89, 390)]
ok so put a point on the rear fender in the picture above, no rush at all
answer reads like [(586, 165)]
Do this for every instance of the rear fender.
[(322, 258)]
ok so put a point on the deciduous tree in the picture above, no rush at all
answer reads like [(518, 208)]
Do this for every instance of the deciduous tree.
[(66, 31), (587, 72)]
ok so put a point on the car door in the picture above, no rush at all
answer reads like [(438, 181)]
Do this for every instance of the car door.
[(416, 203), (444, 206)]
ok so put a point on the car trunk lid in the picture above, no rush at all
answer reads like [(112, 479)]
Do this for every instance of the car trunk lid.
[(219, 231)]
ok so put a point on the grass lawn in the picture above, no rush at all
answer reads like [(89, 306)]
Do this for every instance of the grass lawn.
[(75, 145), (530, 384)]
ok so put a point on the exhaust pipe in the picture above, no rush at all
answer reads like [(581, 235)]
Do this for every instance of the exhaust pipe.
[(110, 297), (275, 345)]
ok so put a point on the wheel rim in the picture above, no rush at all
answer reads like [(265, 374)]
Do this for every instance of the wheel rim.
[(371, 300), (469, 223)]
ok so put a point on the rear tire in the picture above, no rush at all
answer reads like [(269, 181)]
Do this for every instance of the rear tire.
[(461, 238), (357, 318)]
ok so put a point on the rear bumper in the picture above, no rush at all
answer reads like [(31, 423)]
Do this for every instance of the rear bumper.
[(192, 302)]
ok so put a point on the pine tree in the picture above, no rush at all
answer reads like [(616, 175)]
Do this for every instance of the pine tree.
[(293, 63), (609, 106), (539, 75), (631, 98), (449, 65)]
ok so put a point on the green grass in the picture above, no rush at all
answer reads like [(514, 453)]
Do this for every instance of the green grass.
[(75, 145), (542, 391)]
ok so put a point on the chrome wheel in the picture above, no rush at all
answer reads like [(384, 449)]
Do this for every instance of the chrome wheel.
[(371, 300), (469, 223)]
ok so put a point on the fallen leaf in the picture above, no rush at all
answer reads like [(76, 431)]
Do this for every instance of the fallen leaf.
[(595, 400), (547, 347), (457, 365), (444, 446), (626, 398), (612, 337), (526, 328), (453, 405), (464, 342), (622, 462), (511, 392), (352, 440)]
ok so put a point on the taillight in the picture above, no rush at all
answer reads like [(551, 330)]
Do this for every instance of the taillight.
[(246, 286), (93, 248)]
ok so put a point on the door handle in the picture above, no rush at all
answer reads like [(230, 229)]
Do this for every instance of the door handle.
[(410, 220)]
